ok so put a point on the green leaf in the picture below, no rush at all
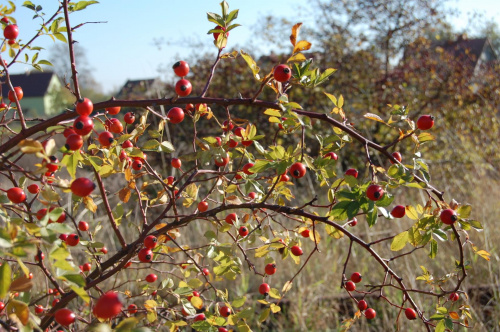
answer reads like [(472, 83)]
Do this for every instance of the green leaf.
[(239, 302), (75, 279), (167, 147), (81, 293), (464, 211), (259, 166), (60, 228), (344, 210), (151, 145), (433, 249), (399, 241), (71, 161), (5, 279)]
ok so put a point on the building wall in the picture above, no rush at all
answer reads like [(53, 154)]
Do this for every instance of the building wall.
[(33, 107)]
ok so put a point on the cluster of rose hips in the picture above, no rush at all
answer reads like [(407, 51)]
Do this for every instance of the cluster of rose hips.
[(10, 32)]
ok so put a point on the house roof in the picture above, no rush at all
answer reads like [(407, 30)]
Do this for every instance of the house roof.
[(463, 48), (34, 84), (137, 88)]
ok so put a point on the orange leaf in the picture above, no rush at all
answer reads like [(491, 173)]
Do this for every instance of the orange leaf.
[(454, 315), (295, 32), (302, 45)]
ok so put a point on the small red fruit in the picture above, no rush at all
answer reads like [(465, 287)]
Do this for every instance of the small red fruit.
[(11, 31), (284, 178), (247, 167), (82, 187), (243, 231), (84, 107), (64, 317), (297, 170), (232, 143), (176, 115), (176, 163), (252, 195), (410, 314), (108, 306), (331, 155), (297, 251), (83, 125), (68, 131), (181, 68), (137, 165), (374, 192), (74, 142), (183, 88), (239, 131), (227, 126), (356, 277), (264, 289), (129, 118), (86, 267), (205, 271), (106, 138), (216, 34), (83, 226), (396, 156), (222, 329), (145, 255), (202, 206), (132, 309), (353, 222), (33, 188), (114, 125), (352, 172), (16, 195), (199, 317), (231, 218), (282, 73), (350, 286), (224, 311), (2, 306), (42, 255), (150, 241), (270, 269), (370, 313), (170, 180), (448, 216), (454, 297), (38, 309), (151, 277), (362, 305), (104, 250), (425, 122), (127, 144), (221, 160), (398, 211), (305, 233), (72, 240), (113, 110), (195, 293), (63, 237)]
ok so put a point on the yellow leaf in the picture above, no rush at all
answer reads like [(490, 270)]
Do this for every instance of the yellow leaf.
[(411, 212), (341, 101), (483, 253), (150, 305), (375, 117), (89, 204), (314, 236), (231, 55), (331, 97), (272, 112), (299, 57), (302, 45), (197, 302), (30, 146), (274, 293), (251, 63), (274, 119), (287, 287), (18, 311), (295, 33), (275, 308)]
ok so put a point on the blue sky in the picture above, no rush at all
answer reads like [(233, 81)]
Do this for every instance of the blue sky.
[(123, 48)]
